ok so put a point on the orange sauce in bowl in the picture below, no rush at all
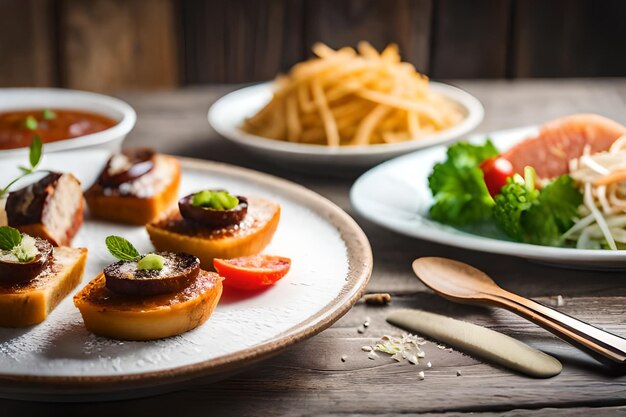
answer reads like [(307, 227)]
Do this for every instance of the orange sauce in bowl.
[(17, 128)]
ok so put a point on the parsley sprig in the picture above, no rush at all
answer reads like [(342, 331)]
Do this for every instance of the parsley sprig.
[(34, 157)]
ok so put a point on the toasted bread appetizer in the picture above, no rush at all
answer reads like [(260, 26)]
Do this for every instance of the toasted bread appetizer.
[(234, 227), (135, 187), (34, 277), (51, 208), (148, 297)]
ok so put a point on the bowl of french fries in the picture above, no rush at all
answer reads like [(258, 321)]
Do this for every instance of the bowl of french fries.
[(346, 108)]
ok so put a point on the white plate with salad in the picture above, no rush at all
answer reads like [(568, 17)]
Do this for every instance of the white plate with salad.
[(554, 193)]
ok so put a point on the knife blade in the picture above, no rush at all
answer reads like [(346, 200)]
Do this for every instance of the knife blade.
[(478, 341)]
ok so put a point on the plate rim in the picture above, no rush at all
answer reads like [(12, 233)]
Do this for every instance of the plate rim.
[(360, 266), (476, 242), (473, 106)]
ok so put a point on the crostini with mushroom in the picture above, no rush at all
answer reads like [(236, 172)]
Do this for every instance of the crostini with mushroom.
[(34, 276), (150, 296), (216, 224), (136, 186)]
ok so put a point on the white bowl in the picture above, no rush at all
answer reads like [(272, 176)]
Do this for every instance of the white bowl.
[(228, 113), (58, 98)]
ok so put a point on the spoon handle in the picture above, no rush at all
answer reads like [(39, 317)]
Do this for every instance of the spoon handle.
[(602, 345)]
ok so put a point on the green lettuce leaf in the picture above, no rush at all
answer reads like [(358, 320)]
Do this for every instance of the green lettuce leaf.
[(458, 186)]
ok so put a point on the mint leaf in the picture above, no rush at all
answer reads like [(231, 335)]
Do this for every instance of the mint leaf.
[(9, 237), (121, 248), (35, 152)]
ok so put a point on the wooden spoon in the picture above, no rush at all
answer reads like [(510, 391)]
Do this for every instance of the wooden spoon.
[(463, 283)]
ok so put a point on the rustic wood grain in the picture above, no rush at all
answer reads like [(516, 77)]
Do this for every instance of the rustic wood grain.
[(27, 43), (345, 23), (111, 44), (568, 38), (240, 40), (310, 379), (470, 39), (107, 45)]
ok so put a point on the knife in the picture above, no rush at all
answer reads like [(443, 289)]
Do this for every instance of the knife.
[(478, 341)]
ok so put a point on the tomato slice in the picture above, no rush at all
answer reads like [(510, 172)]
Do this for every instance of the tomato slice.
[(252, 272), (496, 171)]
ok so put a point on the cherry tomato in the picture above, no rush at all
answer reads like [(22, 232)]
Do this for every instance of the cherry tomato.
[(252, 272), (496, 170)]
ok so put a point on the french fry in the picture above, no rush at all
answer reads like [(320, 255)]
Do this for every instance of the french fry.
[(363, 132), (402, 103), (330, 126), (294, 128), (367, 50), (413, 123), (351, 97)]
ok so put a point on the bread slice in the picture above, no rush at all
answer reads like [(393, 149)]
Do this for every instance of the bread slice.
[(175, 234), (125, 317), (142, 200), (51, 208), (28, 304)]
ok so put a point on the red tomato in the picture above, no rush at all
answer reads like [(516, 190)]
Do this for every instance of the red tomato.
[(252, 272), (496, 170)]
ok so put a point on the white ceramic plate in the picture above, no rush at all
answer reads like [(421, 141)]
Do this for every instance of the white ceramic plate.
[(229, 112), (332, 261), (395, 195), (59, 98)]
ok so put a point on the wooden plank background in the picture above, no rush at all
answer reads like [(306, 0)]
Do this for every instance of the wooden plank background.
[(109, 45)]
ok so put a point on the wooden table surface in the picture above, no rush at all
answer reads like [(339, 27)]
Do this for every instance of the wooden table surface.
[(311, 379)]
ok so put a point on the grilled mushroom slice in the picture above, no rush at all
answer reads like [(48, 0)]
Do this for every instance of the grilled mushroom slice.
[(127, 166), (14, 272), (178, 271), (213, 218)]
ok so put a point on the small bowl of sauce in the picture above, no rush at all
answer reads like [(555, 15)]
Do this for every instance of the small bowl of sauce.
[(63, 120)]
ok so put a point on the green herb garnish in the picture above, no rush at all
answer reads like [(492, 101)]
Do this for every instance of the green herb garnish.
[(23, 247), (9, 238), (34, 157), (48, 114), (458, 185), (121, 248), (216, 200), (31, 123), (26, 250), (34, 154), (537, 216), (151, 261)]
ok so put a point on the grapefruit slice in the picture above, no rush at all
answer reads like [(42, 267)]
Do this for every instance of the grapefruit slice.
[(561, 140)]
